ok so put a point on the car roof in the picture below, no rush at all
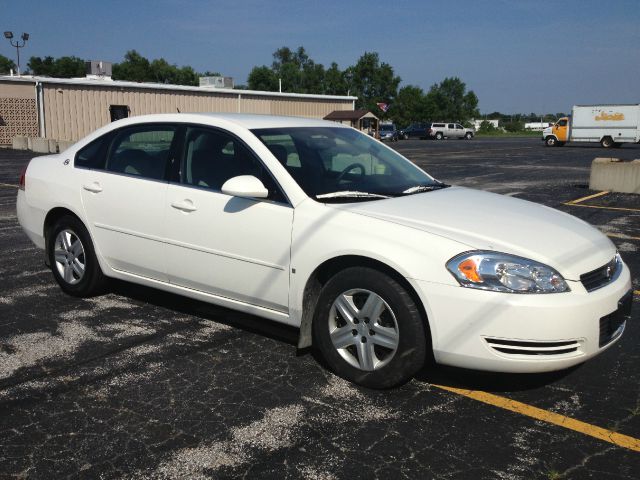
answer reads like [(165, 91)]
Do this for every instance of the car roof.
[(248, 121)]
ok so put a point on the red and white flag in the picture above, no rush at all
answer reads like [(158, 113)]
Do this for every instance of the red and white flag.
[(383, 106)]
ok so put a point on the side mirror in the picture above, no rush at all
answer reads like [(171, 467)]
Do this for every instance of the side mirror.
[(246, 186)]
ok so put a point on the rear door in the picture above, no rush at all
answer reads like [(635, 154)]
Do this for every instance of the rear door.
[(233, 247), (124, 198)]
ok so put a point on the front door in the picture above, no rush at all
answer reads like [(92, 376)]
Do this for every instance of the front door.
[(561, 129), (233, 247)]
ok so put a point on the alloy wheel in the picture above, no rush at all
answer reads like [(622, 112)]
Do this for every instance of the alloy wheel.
[(363, 329)]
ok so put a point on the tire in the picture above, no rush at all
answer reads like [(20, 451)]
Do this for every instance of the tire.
[(468, 136), (550, 141), (439, 136), (607, 142), (383, 351), (81, 276)]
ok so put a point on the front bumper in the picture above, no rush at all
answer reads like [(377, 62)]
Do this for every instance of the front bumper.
[(521, 332)]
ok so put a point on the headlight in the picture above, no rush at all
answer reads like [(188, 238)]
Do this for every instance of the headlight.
[(502, 272)]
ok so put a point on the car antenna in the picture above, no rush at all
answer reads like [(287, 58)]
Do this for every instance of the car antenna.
[(178, 109)]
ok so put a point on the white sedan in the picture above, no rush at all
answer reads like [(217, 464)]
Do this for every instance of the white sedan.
[(318, 226)]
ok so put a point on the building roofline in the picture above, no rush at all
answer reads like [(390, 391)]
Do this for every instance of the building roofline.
[(165, 86)]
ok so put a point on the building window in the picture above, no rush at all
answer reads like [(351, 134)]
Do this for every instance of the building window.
[(118, 112)]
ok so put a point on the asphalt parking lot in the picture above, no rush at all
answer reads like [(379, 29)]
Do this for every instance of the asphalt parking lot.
[(141, 384)]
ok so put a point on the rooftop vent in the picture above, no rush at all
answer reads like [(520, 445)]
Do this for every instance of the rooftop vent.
[(97, 68), (216, 82)]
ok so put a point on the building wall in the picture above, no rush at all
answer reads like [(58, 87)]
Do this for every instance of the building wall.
[(18, 115), (73, 111)]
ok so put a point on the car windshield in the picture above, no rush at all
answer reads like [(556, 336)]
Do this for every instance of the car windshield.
[(334, 164), (386, 128)]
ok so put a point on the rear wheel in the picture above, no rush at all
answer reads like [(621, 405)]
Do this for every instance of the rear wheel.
[(607, 142), (550, 141), (439, 136), (73, 259), (368, 329), (468, 136)]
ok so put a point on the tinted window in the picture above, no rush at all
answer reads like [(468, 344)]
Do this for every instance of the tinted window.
[(458, 127), (439, 125), (212, 157), (142, 151), (451, 125), (562, 123), (92, 155)]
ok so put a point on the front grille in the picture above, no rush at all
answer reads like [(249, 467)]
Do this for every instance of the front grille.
[(601, 276), (612, 325), (520, 347)]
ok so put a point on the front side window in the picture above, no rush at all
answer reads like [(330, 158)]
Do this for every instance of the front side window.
[(326, 161), (451, 125), (211, 157), (562, 123), (459, 127), (142, 151)]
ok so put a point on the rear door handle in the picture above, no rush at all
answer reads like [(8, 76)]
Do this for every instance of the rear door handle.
[(185, 206), (93, 187)]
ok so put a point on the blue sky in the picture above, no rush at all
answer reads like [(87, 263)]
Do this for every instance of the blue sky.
[(518, 56)]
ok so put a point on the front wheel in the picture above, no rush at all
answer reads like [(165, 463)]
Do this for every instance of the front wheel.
[(73, 259), (369, 329), (550, 141), (607, 142)]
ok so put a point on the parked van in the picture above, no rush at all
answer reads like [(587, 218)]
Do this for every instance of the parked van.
[(609, 125)]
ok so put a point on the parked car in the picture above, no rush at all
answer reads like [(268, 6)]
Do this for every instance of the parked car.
[(440, 131), (388, 132), (415, 130), (318, 226)]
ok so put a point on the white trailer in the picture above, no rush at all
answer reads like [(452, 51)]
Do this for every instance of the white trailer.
[(609, 125)]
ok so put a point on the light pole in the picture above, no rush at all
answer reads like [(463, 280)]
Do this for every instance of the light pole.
[(24, 37)]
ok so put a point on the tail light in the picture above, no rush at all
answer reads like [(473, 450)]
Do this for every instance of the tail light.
[(22, 184)]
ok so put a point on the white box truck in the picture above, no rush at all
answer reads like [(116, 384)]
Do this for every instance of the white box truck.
[(609, 125)]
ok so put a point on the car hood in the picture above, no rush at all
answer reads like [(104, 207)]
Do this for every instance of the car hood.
[(488, 221)]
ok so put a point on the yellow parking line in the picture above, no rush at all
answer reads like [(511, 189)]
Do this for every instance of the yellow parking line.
[(604, 208), (622, 236), (636, 292), (588, 197), (618, 439), (441, 154), (8, 185)]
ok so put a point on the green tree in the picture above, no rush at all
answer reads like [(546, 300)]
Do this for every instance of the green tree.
[(6, 65), (486, 127), (63, 67), (134, 68), (514, 126), (262, 78), (334, 81), (409, 106), (372, 82), (452, 102)]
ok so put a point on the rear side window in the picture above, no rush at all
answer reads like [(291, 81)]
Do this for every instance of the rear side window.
[(142, 151), (93, 155), (438, 125)]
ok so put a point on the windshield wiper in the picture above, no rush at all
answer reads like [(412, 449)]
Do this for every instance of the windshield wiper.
[(351, 194), (424, 188)]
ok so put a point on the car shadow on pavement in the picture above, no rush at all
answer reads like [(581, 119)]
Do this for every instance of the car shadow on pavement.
[(489, 381), (189, 306)]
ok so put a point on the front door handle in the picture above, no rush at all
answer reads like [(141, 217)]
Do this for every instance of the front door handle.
[(185, 206), (93, 187)]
